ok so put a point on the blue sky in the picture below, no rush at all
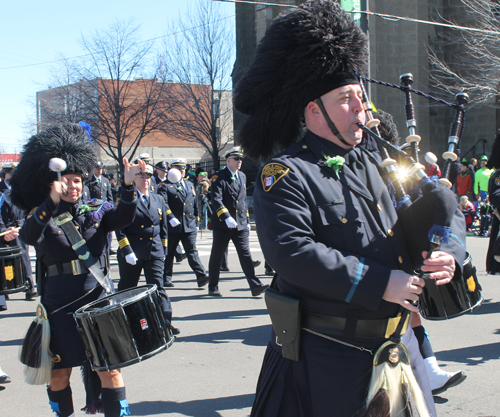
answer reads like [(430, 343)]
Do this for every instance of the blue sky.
[(35, 32)]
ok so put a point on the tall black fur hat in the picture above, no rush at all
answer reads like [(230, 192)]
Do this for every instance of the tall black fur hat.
[(494, 160), (306, 52), (32, 178)]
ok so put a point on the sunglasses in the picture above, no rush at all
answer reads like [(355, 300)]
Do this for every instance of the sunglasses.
[(237, 158), (144, 175)]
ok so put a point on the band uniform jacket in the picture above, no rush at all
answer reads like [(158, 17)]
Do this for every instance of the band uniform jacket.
[(100, 189), (147, 235), (181, 205), (53, 250), (492, 265), (333, 241), (229, 199)]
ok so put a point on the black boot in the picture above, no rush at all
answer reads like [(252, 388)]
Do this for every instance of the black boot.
[(114, 402), (61, 402)]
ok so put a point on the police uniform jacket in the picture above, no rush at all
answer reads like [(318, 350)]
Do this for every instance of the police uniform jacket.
[(332, 239), (181, 205), (147, 235), (229, 199), (100, 189), (55, 252), (492, 266), (3, 185), (12, 216)]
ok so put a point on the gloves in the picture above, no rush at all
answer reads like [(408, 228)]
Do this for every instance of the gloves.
[(131, 258), (231, 223), (197, 229), (174, 222), (249, 227)]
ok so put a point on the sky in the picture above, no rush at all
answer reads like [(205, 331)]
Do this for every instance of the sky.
[(33, 33)]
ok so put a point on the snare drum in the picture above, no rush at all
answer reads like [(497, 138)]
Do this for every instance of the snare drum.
[(460, 296), (12, 277), (123, 328)]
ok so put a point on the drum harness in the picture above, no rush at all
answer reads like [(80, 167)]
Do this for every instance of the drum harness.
[(79, 245)]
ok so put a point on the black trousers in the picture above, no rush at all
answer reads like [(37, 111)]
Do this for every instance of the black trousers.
[(189, 242), (153, 272), (240, 240)]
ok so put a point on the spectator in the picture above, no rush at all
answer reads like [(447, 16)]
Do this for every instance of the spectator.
[(465, 179), (481, 180), (467, 208)]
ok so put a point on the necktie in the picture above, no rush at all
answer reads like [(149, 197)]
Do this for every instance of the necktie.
[(185, 187), (146, 200)]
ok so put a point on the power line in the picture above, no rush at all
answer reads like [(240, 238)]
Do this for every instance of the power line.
[(383, 16), (137, 43)]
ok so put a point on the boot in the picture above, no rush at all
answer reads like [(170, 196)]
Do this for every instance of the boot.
[(440, 380), (61, 402), (114, 402)]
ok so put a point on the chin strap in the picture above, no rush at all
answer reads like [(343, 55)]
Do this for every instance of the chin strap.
[(332, 127)]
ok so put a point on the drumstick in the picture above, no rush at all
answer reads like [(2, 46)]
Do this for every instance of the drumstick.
[(6, 232)]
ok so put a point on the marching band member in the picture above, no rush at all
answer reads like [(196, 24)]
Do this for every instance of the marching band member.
[(230, 222), (98, 185), (143, 244), (182, 216), (64, 281), (493, 254), (325, 219)]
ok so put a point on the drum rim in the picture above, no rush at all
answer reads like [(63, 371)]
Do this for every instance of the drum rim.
[(134, 360), (80, 313)]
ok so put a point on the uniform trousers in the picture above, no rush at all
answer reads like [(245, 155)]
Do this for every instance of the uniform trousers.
[(189, 242), (221, 239), (153, 272)]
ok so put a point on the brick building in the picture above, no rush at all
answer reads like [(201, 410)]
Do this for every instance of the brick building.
[(81, 101)]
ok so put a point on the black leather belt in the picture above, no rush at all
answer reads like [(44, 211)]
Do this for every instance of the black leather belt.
[(381, 328), (75, 267)]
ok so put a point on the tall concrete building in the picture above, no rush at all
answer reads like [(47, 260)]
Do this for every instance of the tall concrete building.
[(397, 46)]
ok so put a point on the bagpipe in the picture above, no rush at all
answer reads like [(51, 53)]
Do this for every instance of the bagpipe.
[(430, 219)]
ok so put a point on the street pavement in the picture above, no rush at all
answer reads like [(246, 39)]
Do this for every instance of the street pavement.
[(212, 368)]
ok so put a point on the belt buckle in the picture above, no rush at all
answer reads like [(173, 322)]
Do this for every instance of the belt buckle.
[(76, 267), (392, 324)]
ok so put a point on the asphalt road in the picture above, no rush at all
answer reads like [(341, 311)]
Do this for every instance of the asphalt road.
[(212, 368)]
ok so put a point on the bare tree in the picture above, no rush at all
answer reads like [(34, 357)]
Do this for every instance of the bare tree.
[(118, 87), (200, 54), (469, 60)]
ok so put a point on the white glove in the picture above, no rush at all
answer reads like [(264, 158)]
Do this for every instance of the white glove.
[(249, 227), (197, 229), (231, 223), (131, 258), (174, 222)]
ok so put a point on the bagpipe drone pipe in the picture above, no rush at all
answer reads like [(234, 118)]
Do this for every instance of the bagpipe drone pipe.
[(432, 219)]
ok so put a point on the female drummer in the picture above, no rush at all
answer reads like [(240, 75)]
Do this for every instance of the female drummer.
[(65, 283)]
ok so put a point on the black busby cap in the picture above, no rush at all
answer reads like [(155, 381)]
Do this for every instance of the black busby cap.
[(32, 178), (306, 52)]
